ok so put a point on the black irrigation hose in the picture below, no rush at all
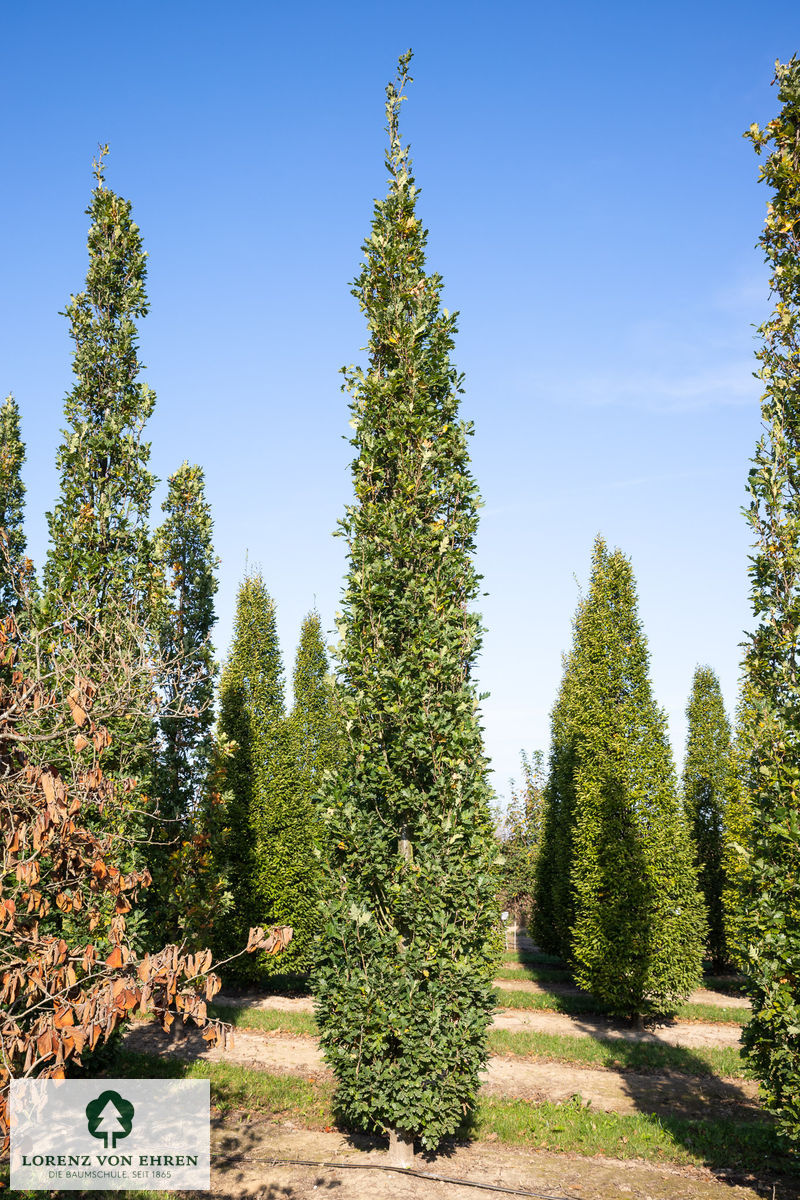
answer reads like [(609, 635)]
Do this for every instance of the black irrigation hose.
[(351, 1166)]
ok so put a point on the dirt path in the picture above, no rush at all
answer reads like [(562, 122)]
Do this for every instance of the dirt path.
[(673, 1033), (251, 1173), (612, 1091), (699, 996)]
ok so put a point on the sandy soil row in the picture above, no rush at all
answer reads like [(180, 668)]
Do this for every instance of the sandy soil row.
[(674, 1033), (251, 1173), (611, 1091)]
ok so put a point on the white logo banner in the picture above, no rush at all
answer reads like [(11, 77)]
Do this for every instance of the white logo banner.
[(92, 1134)]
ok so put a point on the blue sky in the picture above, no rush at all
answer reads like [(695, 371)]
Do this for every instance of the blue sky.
[(592, 207)]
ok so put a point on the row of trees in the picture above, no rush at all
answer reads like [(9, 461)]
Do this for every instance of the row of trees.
[(228, 847), (403, 962), (635, 877)]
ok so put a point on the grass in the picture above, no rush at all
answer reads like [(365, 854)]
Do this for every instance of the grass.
[(300, 1023), (538, 973), (613, 1053), (533, 958), (567, 1128), (578, 1129), (236, 1088), (618, 1055), (583, 1004)]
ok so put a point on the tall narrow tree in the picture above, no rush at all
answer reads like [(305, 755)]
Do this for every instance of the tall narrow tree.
[(316, 725), (251, 707), (710, 793), (99, 540), (638, 925), (12, 506), (404, 976), (271, 865), (553, 899), (185, 621), (772, 926), (100, 565), (184, 549)]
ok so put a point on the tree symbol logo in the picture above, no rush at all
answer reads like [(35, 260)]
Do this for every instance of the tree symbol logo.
[(110, 1116)]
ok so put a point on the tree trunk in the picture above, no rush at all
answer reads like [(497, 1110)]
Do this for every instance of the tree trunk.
[(401, 1148)]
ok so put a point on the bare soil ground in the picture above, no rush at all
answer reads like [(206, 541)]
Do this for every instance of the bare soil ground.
[(251, 1172), (675, 1033), (246, 1149), (667, 1093)]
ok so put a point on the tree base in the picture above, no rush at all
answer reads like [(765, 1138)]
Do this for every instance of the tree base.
[(401, 1148)]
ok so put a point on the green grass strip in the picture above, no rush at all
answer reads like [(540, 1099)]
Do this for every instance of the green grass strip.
[(532, 958), (617, 1054), (614, 1053), (538, 974), (300, 1023), (581, 1004), (577, 1129), (236, 1087), (570, 1128)]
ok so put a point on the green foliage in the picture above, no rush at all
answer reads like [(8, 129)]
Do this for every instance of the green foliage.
[(553, 900), (633, 919), (315, 722), (403, 977), (520, 834), (251, 706), (12, 507), (186, 618), (268, 857), (710, 798), (99, 540), (739, 831), (185, 551), (771, 928), (100, 579)]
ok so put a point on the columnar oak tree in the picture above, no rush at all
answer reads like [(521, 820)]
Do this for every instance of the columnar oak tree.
[(271, 866), (710, 794), (185, 550), (99, 539), (315, 723), (553, 905), (403, 980), (772, 902), (12, 507), (100, 566), (185, 620), (251, 705), (635, 917)]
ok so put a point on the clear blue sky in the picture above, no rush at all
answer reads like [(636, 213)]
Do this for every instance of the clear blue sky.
[(592, 207)]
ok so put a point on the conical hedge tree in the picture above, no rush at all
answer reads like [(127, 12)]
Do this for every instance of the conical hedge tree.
[(12, 506), (185, 551), (269, 852), (710, 794), (185, 621), (772, 896), (315, 723), (638, 925), (553, 906), (404, 971), (250, 709)]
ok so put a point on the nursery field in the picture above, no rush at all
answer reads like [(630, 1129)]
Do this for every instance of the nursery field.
[(573, 1102)]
